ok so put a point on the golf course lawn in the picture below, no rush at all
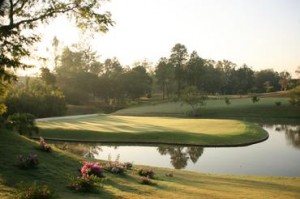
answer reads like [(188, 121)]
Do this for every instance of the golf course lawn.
[(167, 130), (239, 108), (56, 168)]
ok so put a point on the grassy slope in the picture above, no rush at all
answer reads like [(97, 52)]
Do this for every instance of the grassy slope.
[(55, 168), (241, 108), (153, 129)]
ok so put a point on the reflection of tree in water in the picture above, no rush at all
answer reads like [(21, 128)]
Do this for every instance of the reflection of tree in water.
[(85, 150), (292, 134), (180, 155)]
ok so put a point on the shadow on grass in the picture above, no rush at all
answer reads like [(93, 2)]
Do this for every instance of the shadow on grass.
[(156, 137)]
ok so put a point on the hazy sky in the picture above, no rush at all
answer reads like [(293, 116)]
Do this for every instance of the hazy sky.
[(261, 33)]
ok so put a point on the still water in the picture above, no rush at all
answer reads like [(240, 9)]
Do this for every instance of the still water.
[(277, 156)]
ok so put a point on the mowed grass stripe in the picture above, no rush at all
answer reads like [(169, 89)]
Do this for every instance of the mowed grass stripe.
[(153, 130)]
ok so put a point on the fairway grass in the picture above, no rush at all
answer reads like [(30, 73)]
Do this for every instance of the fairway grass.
[(264, 110), (57, 167), (158, 130)]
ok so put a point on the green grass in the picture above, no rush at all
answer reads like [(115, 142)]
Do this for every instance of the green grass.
[(240, 108), (55, 168), (153, 130)]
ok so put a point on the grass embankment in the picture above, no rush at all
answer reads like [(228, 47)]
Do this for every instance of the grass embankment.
[(240, 108), (56, 167), (167, 130)]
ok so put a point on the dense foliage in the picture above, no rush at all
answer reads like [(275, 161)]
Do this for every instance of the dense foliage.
[(36, 97), (295, 96), (19, 20), (23, 123), (84, 79)]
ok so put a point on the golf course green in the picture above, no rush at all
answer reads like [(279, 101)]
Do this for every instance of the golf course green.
[(158, 130)]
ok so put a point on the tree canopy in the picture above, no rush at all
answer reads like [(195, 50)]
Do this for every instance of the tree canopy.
[(19, 19)]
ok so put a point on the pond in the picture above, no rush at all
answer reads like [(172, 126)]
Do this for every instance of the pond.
[(277, 156)]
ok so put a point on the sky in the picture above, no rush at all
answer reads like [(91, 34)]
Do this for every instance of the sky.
[(260, 33)]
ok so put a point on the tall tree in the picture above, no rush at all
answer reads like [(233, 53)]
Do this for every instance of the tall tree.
[(195, 71), (226, 69), (48, 77), (242, 80), (136, 82), (298, 73), (20, 18), (164, 74), (178, 58), (267, 80), (284, 80), (55, 45), (75, 77)]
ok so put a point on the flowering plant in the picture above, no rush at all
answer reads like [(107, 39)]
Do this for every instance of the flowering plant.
[(44, 146), (147, 181), (31, 161), (128, 165), (89, 184), (146, 173), (84, 184), (91, 168), (115, 167), (33, 190)]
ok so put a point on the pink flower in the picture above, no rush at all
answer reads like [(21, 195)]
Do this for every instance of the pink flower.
[(90, 168)]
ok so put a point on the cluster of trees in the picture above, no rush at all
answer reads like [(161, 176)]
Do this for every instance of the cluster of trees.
[(79, 78), (36, 96), (181, 70), (83, 79), (18, 22)]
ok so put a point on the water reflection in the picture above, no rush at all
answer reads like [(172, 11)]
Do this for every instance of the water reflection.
[(84, 150), (180, 155), (277, 156), (292, 134)]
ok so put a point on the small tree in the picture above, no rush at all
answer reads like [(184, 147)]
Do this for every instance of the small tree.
[(295, 96), (23, 123), (227, 101), (255, 99), (193, 97)]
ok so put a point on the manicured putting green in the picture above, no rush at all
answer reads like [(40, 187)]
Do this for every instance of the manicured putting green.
[(152, 130)]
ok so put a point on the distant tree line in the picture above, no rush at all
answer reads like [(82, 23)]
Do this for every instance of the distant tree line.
[(82, 77), (79, 78), (180, 70)]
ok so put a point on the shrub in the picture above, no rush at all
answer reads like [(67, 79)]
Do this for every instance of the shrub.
[(147, 181), (29, 162), (115, 167), (227, 100), (128, 165), (84, 183), (169, 174), (91, 168), (146, 173), (37, 98), (44, 146), (23, 123), (255, 99), (34, 191), (295, 96), (278, 103)]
